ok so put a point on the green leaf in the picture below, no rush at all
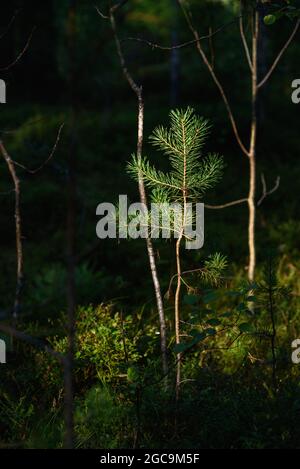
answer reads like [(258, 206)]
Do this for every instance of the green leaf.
[(214, 322), (179, 348), (246, 327), (270, 19), (199, 337), (132, 374), (227, 314), (210, 331)]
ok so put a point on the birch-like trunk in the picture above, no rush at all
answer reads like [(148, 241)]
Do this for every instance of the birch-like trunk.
[(252, 154)]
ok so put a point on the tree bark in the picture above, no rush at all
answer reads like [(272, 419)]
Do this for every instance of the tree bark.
[(252, 153), (177, 317), (142, 192)]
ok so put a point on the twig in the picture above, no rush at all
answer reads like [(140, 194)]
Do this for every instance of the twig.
[(276, 61), (10, 24), (191, 271), (244, 41), (215, 78), (18, 224), (265, 191), (112, 10), (104, 17), (115, 7), (34, 171), (229, 204), (20, 54), (154, 45)]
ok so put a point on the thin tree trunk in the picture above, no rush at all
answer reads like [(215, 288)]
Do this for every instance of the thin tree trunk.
[(139, 94), (18, 225), (252, 153), (177, 316), (178, 288)]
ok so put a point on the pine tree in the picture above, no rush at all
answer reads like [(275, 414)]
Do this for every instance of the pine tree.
[(191, 175)]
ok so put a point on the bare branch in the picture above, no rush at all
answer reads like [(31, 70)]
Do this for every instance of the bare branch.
[(276, 61), (12, 20), (104, 17), (229, 204), (191, 271), (33, 341), (115, 7), (112, 10), (215, 78), (154, 45), (21, 53), (265, 191), (244, 40), (18, 224), (34, 171), (135, 88)]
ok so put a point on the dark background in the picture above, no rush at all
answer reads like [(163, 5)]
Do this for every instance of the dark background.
[(72, 75)]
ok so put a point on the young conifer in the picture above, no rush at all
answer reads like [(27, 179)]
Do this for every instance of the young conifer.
[(191, 175)]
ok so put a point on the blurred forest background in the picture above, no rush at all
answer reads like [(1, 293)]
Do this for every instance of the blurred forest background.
[(235, 392)]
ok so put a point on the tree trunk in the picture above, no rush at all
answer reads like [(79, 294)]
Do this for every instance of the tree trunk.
[(150, 250), (142, 192), (177, 316), (252, 154)]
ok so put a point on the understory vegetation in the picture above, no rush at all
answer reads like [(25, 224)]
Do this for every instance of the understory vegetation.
[(229, 380)]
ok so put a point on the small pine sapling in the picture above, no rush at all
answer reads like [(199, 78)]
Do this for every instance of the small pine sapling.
[(191, 175)]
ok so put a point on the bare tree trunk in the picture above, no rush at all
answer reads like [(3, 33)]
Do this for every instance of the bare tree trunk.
[(18, 224), (139, 94), (252, 153)]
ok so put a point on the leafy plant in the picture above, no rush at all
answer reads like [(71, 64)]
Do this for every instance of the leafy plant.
[(106, 345), (98, 419)]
